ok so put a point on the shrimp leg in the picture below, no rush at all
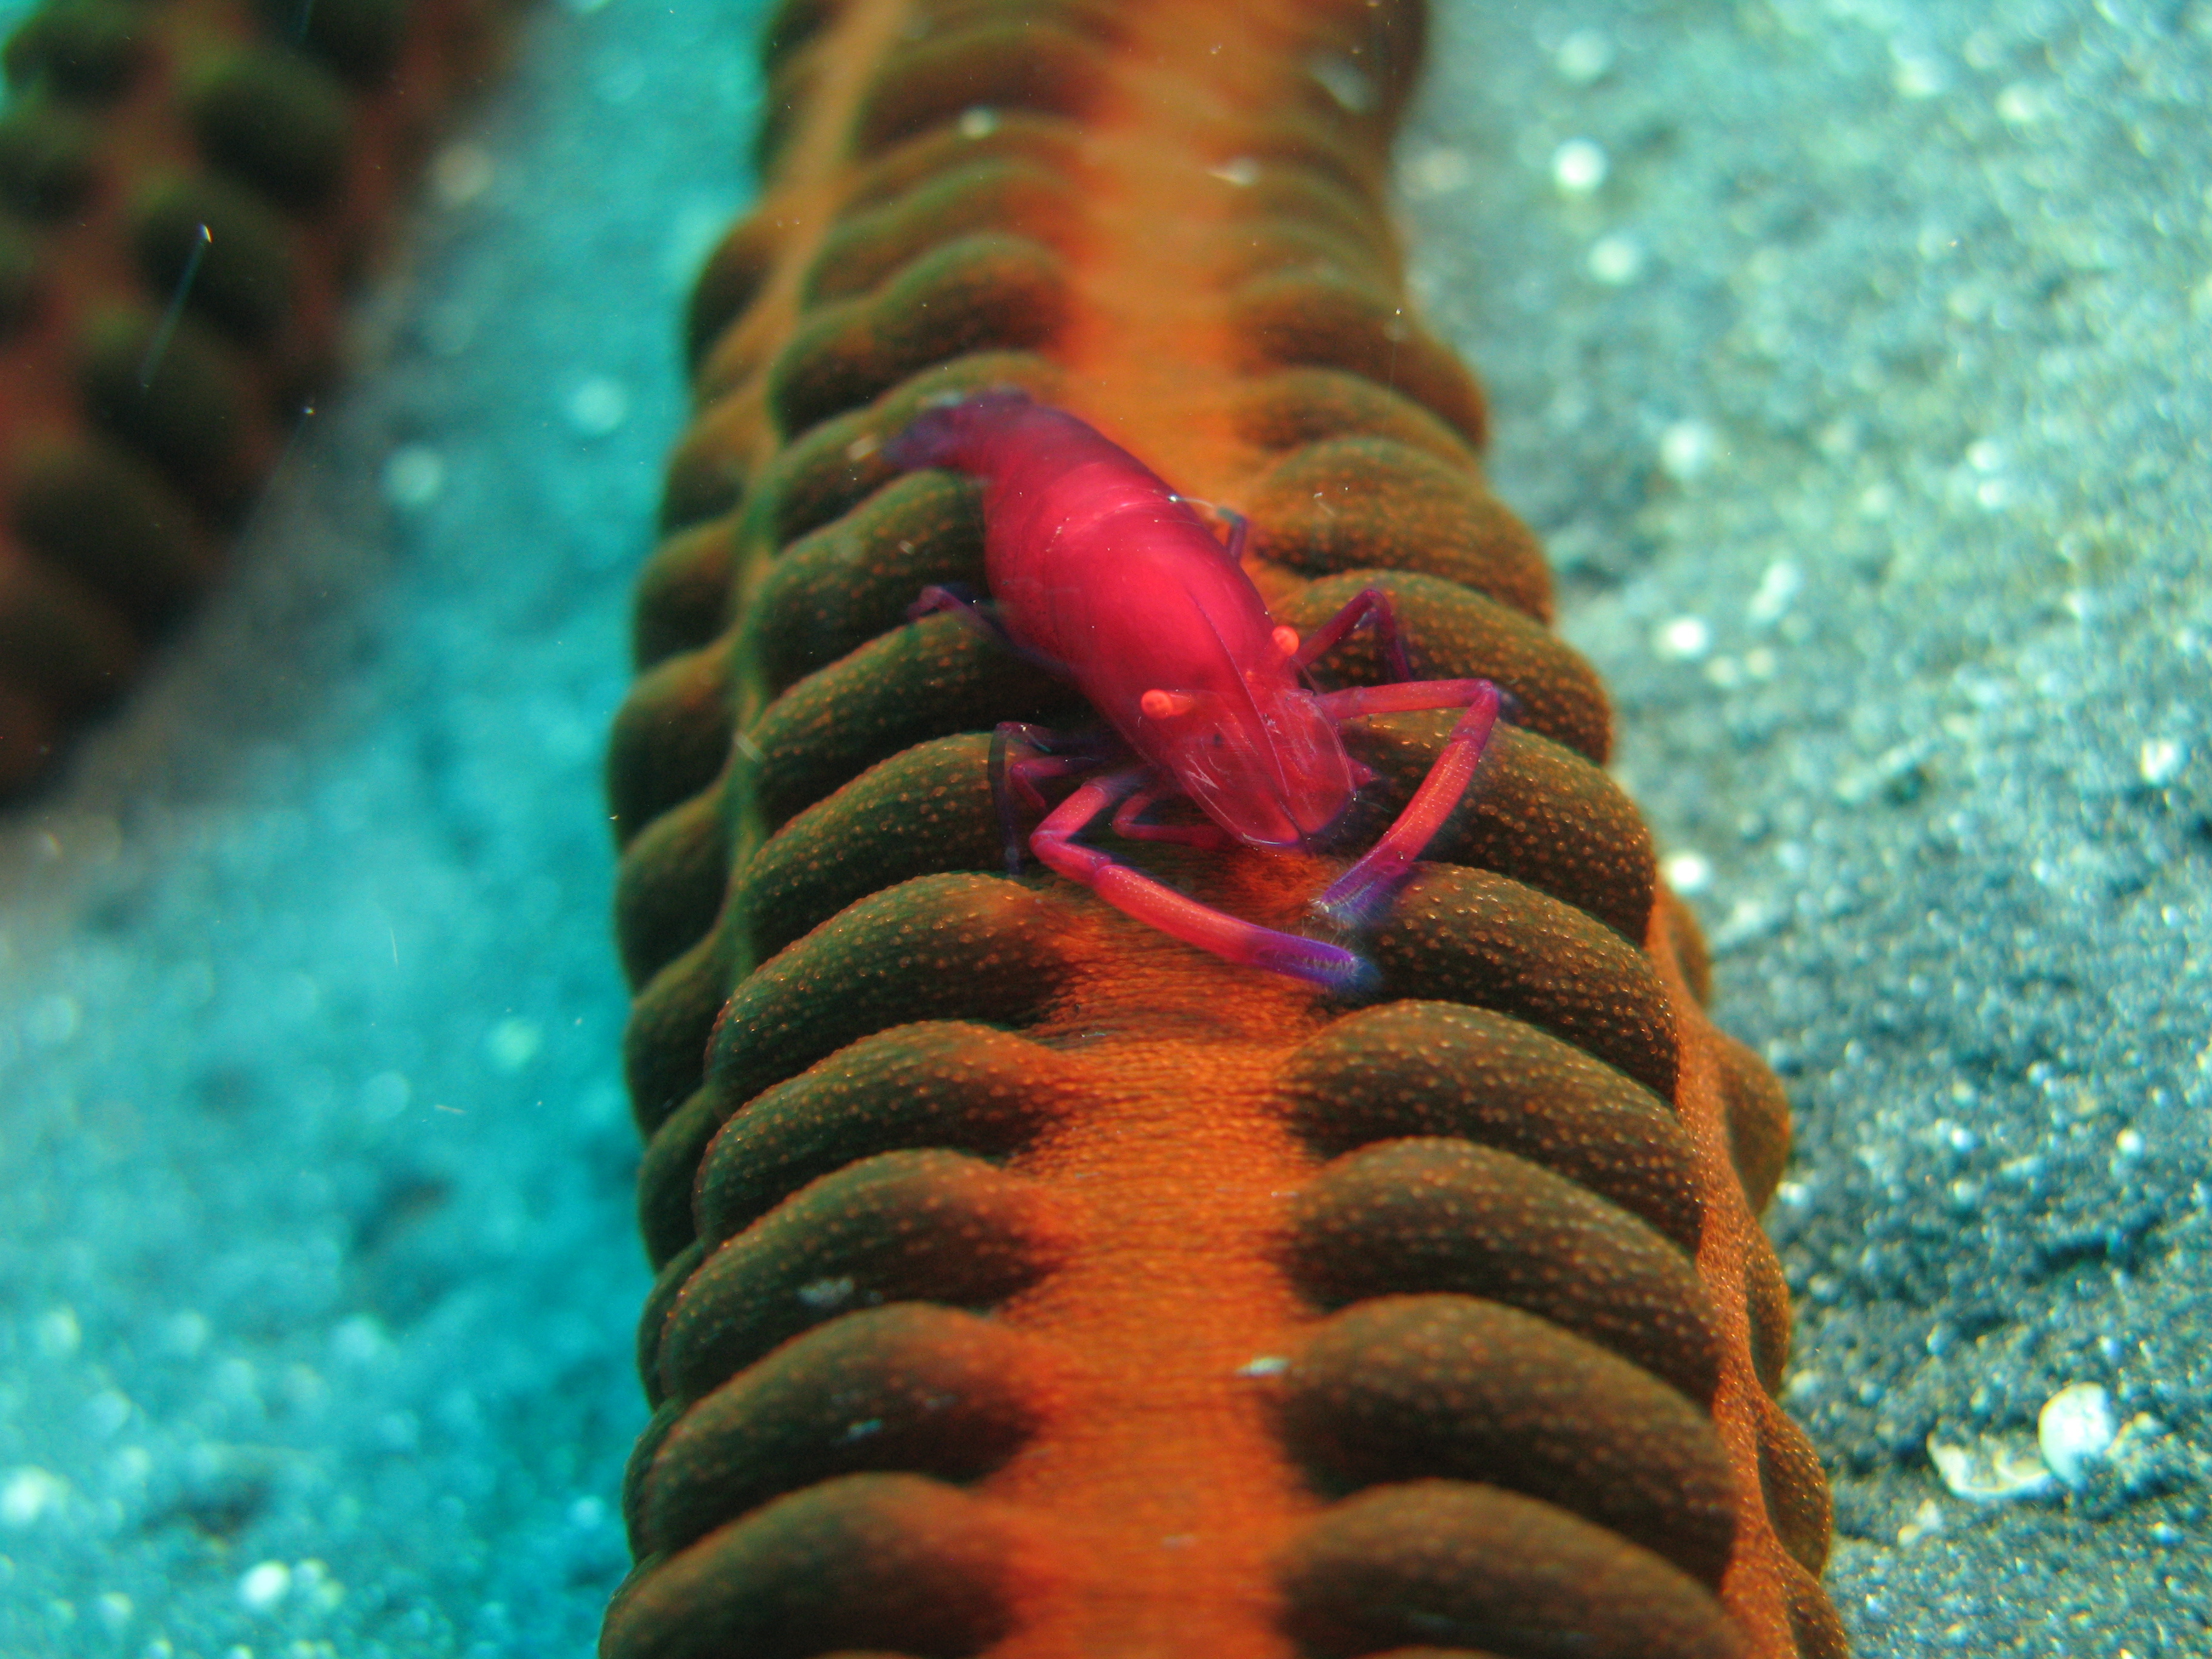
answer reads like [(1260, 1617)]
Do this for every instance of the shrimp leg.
[(981, 619), (1246, 944), (1362, 892), (1129, 824), (1368, 602), (1024, 756), (1240, 527)]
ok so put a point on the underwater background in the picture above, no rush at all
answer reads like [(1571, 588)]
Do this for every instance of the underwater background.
[(1852, 358)]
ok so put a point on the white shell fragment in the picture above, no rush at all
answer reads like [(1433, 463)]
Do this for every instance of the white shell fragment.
[(1989, 1471), (2074, 1431), (2076, 1438)]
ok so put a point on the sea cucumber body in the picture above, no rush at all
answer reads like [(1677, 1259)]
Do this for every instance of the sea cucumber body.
[(188, 185), (1031, 1286)]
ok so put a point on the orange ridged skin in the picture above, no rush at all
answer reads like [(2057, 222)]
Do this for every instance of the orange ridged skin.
[(1031, 1286), (138, 130)]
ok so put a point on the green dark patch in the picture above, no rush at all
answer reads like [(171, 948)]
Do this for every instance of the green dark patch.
[(1470, 936), (990, 193), (1419, 1387), (671, 738), (86, 51), (942, 1084), (185, 406), (669, 885), (1466, 1565), (927, 810), (1431, 1068), (1315, 320), (831, 591), (276, 122), (110, 525), (983, 292), (1407, 1217), (905, 1226), (227, 254), (941, 947), (683, 592), (46, 166), (1536, 811), (929, 679), (909, 1390), (1375, 503), (1294, 407), (888, 1563), (360, 40), (1451, 632), (1014, 64)]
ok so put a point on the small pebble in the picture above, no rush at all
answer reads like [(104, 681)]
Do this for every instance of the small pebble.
[(1578, 167), (1439, 171), (1616, 260), (513, 1044), (2161, 761), (1687, 449), (265, 1585), (459, 174), (28, 1493), (597, 406), (1683, 639), (58, 1333), (1989, 1471), (1916, 76), (1776, 588), (414, 476), (2074, 1430), (1583, 57)]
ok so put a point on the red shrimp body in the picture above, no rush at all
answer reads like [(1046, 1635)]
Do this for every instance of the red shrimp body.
[(1098, 565)]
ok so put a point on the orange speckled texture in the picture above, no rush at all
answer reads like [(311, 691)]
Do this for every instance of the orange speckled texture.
[(1033, 1287), (248, 154)]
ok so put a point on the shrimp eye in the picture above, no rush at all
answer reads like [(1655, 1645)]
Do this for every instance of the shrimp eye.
[(1159, 705), (1287, 641)]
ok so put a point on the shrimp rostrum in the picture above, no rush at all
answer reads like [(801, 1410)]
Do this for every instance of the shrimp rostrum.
[(1098, 570)]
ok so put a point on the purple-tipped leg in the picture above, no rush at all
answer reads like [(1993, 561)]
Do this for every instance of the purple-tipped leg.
[(1022, 757), (1369, 604), (981, 617), (1244, 943), (1363, 892)]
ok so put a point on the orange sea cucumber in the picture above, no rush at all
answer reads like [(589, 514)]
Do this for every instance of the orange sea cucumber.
[(1032, 1285), (243, 153)]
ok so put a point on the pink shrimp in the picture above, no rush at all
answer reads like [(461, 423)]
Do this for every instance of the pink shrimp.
[(1104, 573)]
